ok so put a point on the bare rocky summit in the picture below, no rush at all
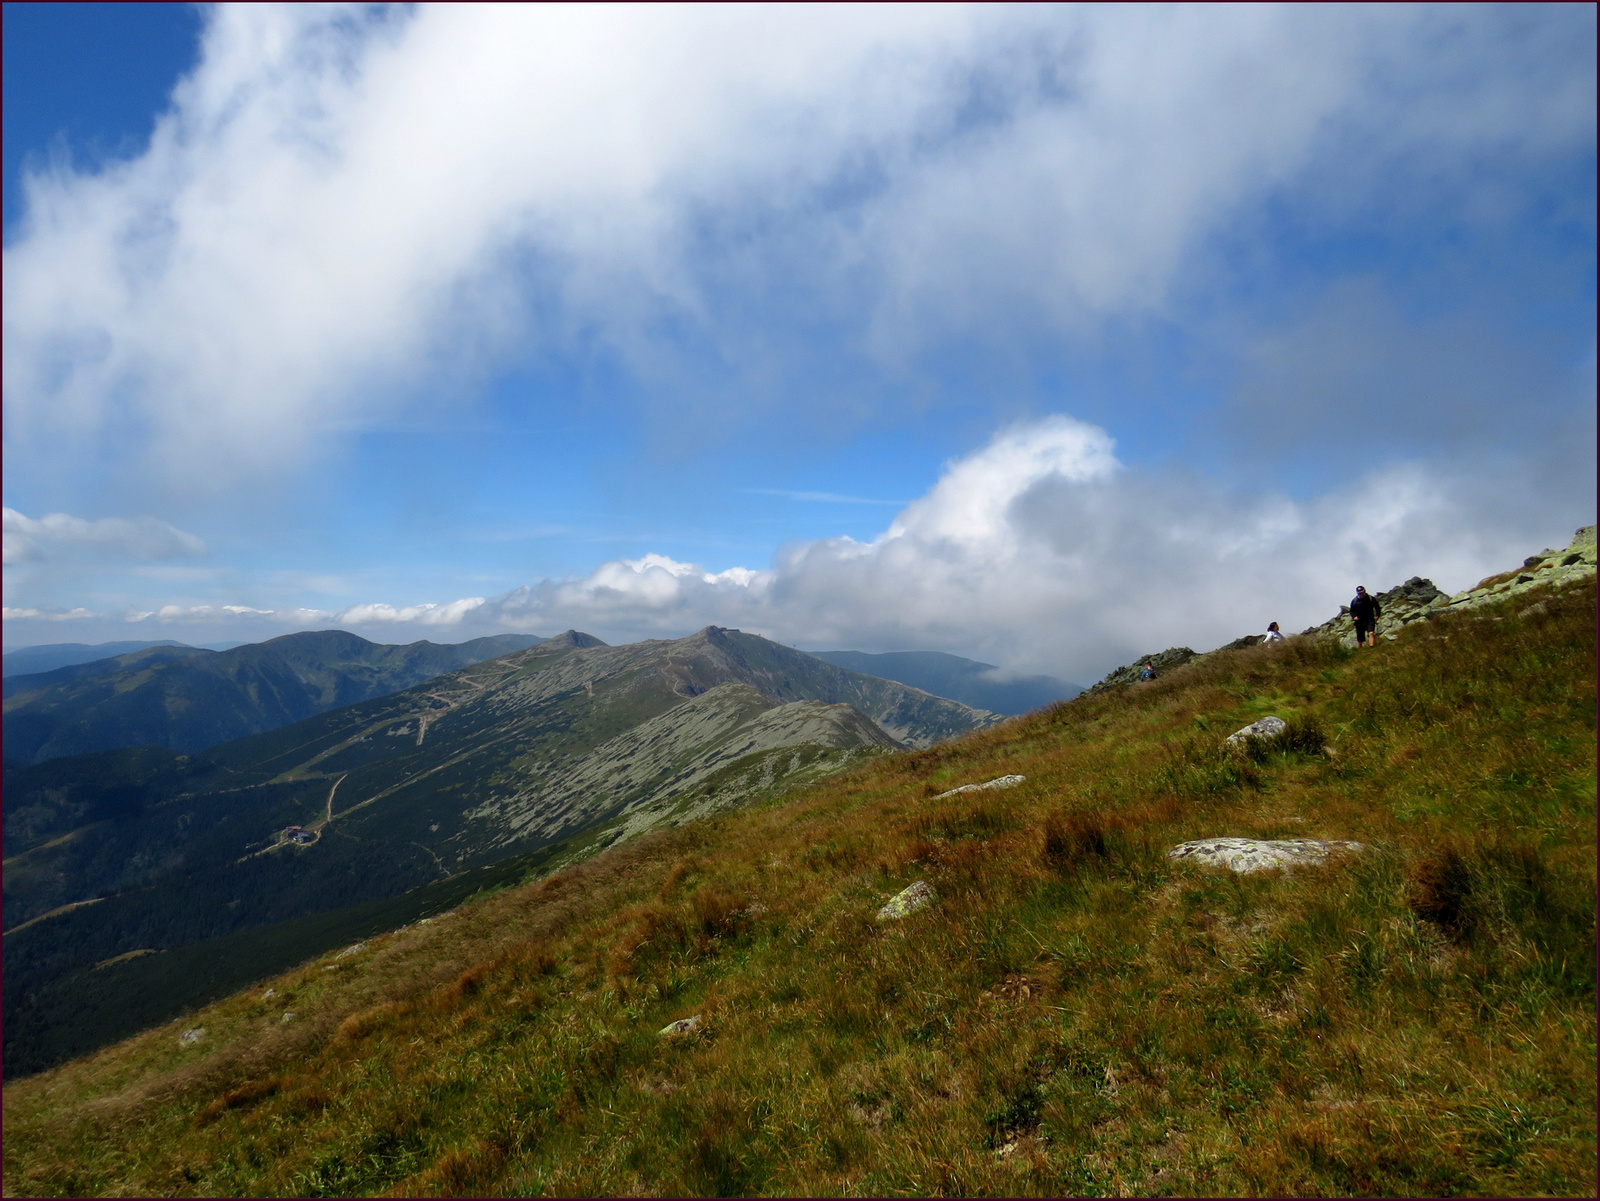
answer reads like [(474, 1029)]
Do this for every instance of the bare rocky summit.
[(1417, 599), (1160, 661)]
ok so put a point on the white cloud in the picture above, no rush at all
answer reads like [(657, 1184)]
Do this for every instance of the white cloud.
[(429, 614), (10, 614), (341, 203), (57, 534), (1037, 551)]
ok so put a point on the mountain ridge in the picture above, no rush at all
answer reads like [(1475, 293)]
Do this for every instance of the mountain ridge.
[(565, 738), (35, 660), (190, 698)]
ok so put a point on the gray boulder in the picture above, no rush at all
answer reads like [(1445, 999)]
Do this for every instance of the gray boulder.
[(1267, 727), (686, 1025), (908, 900), (997, 782), (1245, 855)]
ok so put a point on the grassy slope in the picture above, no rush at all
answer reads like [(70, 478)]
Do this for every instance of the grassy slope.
[(1075, 1014)]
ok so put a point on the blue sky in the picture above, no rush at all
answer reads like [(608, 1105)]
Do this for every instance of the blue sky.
[(1043, 335)]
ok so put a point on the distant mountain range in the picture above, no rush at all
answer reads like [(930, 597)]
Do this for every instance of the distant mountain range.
[(972, 683), (31, 659), (138, 850), (188, 698)]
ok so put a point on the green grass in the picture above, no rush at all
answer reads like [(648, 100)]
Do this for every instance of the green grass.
[(1076, 1014)]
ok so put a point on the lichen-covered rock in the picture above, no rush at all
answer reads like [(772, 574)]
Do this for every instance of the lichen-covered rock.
[(1244, 855), (1267, 727), (997, 782), (1556, 567), (908, 900), (189, 1037), (686, 1025), (1162, 661)]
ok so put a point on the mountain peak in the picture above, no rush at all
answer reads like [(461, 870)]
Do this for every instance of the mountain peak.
[(574, 638)]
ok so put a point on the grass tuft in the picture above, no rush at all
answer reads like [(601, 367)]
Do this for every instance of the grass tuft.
[(1074, 839)]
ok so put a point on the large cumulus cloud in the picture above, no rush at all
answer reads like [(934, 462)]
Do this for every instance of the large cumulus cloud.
[(1041, 551), (348, 208), (1038, 550)]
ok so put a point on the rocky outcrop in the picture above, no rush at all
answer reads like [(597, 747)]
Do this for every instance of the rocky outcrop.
[(1419, 600), (1238, 644), (1556, 567), (1415, 600), (1173, 656), (1245, 855), (682, 1026)]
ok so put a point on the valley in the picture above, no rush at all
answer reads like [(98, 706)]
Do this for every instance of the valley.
[(567, 739)]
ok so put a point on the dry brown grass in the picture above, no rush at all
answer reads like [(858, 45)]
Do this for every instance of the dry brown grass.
[(1075, 1014)]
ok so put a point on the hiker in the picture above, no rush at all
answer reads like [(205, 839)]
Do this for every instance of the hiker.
[(1274, 634), (1148, 674), (1365, 611)]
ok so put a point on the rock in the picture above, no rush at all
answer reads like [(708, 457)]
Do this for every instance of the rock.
[(1239, 644), (997, 782), (271, 992), (288, 1015), (360, 946), (908, 900), (1244, 855), (189, 1037), (682, 1026), (1415, 600), (1556, 567), (1267, 727), (1163, 661)]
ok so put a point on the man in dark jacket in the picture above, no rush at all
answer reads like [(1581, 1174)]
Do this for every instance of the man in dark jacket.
[(1365, 611)]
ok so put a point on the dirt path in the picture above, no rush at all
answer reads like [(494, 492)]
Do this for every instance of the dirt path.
[(53, 913), (328, 816), (45, 846)]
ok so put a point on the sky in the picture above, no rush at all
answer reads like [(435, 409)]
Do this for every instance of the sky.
[(1042, 335)]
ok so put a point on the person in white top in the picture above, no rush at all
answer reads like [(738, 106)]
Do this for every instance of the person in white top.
[(1274, 634)]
